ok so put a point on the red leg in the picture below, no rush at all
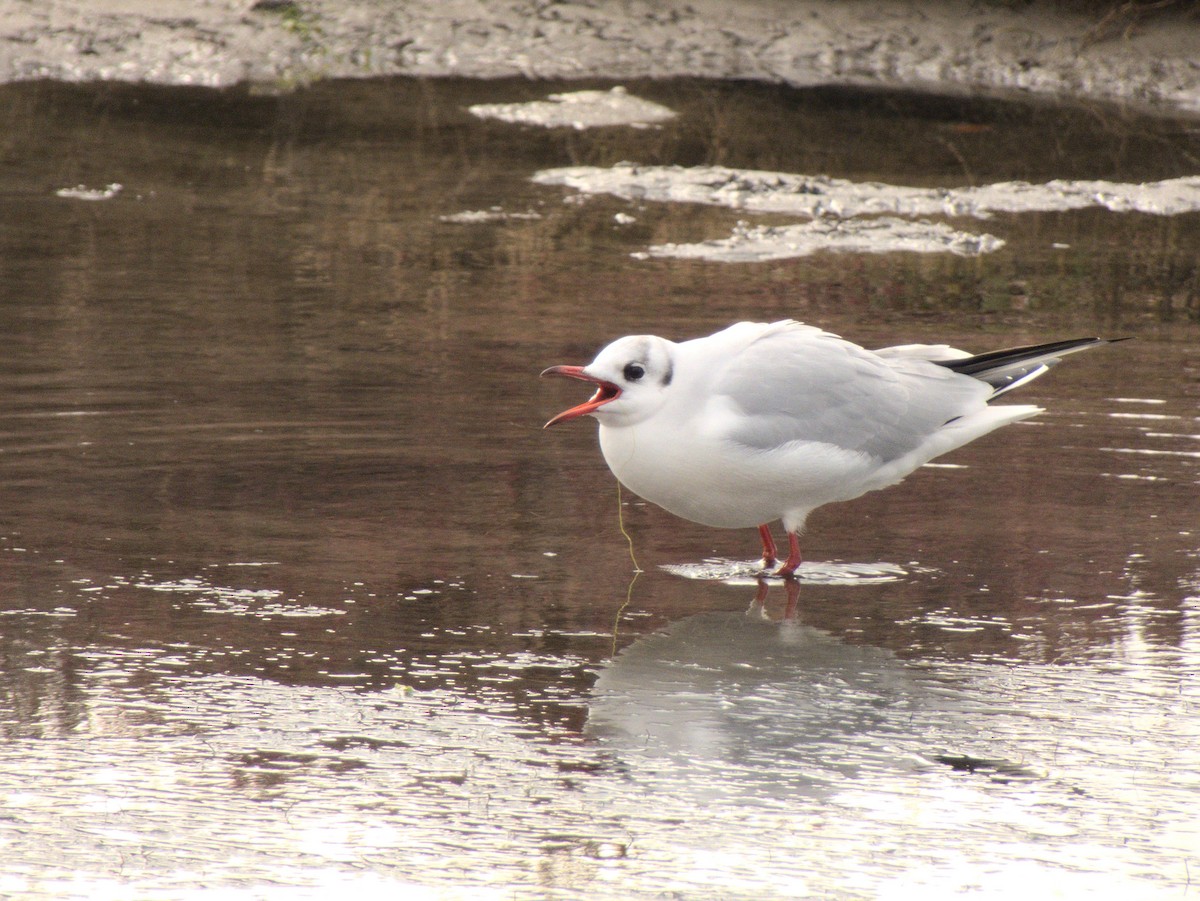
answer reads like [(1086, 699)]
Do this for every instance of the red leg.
[(770, 552), (793, 560)]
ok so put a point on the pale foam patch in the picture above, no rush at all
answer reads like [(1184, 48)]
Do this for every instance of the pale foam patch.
[(835, 206), (83, 192), (885, 235), (579, 110), (495, 214), (816, 196)]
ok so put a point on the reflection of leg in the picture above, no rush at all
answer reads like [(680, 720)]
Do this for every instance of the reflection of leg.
[(793, 598), (759, 604), (770, 552), (760, 596)]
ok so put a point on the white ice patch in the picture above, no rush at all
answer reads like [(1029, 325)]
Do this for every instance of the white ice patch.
[(82, 192), (750, 572), (834, 205), (884, 235), (495, 214), (579, 110), (820, 195)]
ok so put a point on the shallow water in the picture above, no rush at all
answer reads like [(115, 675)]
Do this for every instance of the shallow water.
[(296, 596)]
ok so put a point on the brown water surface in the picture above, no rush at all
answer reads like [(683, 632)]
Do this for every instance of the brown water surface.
[(297, 597)]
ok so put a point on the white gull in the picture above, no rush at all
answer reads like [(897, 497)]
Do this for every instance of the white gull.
[(763, 422)]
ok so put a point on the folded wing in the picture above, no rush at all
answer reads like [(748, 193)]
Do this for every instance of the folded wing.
[(796, 384)]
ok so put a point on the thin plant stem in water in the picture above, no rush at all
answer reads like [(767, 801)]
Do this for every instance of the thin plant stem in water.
[(621, 610), (637, 570), (621, 525)]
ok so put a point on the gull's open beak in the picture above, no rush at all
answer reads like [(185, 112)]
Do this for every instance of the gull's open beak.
[(605, 392)]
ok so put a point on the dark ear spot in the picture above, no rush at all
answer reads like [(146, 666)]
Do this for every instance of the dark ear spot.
[(668, 375)]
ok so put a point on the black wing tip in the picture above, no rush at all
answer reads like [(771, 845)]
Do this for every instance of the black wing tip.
[(981, 363)]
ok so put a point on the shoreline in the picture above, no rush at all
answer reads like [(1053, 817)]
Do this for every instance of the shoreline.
[(955, 47)]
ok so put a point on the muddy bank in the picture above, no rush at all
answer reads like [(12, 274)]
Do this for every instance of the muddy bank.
[(950, 46)]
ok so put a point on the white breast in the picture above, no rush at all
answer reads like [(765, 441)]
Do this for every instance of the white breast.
[(712, 481)]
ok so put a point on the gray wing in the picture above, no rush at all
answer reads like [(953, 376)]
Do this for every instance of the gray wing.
[(797, 384)]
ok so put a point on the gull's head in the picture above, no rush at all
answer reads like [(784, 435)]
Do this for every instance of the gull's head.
[(632, 377)]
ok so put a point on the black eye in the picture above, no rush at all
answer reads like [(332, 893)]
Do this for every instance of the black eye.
[(633, 371)]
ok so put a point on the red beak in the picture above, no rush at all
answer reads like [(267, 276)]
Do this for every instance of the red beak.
[(605, 392)]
